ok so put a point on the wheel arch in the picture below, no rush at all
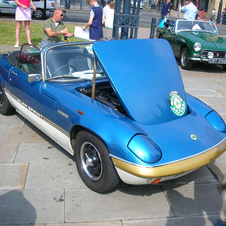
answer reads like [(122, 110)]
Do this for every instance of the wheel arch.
[(76, 129), (182, 47), (160, 35), (2, 80)]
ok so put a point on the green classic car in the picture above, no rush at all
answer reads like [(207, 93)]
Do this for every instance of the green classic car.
[(195, 41)]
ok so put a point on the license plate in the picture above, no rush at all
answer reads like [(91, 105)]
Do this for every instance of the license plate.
[(217, 61)]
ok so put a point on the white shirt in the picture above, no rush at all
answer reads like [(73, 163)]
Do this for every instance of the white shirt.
[(190, 11), (109, 18), (105, 9)]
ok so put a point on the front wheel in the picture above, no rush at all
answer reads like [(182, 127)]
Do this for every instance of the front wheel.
[(5, 107), (184, 60), (93, 163)]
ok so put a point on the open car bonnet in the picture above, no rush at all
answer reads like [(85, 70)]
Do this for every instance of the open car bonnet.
[(146, 78)]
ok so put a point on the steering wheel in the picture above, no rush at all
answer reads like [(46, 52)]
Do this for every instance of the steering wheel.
[(63, 70)]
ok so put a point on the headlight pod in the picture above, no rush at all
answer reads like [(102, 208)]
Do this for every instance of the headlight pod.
[(197, 47), (216, 121), (145, 148)]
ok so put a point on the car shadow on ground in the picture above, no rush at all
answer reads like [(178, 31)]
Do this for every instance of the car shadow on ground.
[(204, 67)]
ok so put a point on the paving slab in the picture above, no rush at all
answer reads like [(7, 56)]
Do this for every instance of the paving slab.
[(41, 153), (13, 176), (214, 100), (200, 199), (26, 134), (31, 206), (8, 152), (99, 223), (84, 205), (176, 221), (8, 123), (203, 92), (53, 175)]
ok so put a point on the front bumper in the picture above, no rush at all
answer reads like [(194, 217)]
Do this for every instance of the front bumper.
[(210, 61), (168, 170), (219, 57)]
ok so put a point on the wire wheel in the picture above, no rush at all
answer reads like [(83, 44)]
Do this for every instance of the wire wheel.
[(185, 61)]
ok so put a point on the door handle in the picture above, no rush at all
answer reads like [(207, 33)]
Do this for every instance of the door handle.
[(12, 72)]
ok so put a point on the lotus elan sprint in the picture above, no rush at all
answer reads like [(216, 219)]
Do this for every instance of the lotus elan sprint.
[(119, 107)]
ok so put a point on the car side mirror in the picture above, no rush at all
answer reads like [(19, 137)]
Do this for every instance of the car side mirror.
[(34, 78)]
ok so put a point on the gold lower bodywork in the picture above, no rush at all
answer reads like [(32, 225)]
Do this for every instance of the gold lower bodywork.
[(174, 168)]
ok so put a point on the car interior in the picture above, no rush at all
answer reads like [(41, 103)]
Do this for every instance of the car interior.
[(65, 61)]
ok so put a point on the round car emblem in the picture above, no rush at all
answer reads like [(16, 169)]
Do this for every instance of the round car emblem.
[(176, 103), (193, 137)]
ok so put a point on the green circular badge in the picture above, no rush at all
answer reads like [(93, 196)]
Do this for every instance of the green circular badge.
[(176, 103)]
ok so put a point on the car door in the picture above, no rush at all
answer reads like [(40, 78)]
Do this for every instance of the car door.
[(170, 36), (178, 43), (29, 93)]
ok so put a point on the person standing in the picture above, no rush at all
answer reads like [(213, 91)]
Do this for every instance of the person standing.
[(190, 10), (23, 13), (106, 8), (213, 15), (54, 28), (202, 14), (219, 173), (95, 21), (164, 12), (179, 10), (109, 20)]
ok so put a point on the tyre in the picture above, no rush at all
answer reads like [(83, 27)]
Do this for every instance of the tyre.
[(184, 60), (224, 66), (38, 14), (94, 164), (5, 107)]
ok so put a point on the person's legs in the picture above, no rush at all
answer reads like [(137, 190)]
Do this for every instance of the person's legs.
[(27, 30), (18, 28)]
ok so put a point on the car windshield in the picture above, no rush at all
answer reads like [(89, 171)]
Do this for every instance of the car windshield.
[(74, 61), (196, 25)]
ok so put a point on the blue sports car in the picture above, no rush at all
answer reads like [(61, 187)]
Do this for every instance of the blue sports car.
[(119, 107)]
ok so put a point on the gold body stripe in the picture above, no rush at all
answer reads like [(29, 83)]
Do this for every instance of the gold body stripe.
[(174, 168)]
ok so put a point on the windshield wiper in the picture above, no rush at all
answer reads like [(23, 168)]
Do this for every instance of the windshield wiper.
[(62, 76)]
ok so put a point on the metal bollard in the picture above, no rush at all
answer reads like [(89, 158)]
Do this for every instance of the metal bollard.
[(153, 22)]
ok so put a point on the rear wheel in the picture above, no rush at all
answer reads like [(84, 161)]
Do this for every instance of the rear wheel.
[(93, 163), (184, 60), (5, 107)]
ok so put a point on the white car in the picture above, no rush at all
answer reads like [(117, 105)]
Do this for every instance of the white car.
[(9, 6)]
